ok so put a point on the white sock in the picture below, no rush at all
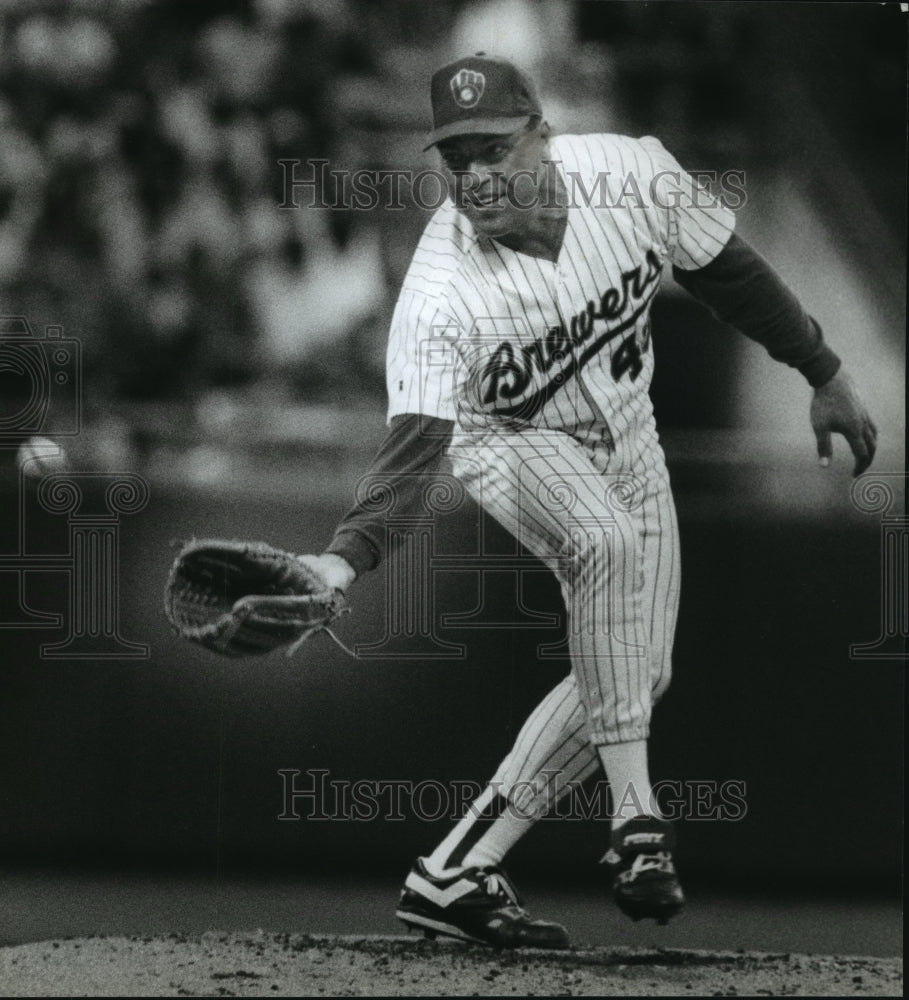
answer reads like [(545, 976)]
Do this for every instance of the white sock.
[(626, 768), (482, 837), (498, 840)]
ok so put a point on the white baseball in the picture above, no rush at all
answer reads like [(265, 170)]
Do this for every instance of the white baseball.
[(40, 456)]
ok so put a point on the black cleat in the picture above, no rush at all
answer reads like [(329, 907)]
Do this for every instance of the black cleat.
[(476, 904), (644, 877)]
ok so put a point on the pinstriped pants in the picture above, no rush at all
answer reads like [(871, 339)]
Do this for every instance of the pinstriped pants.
[(610, 535)]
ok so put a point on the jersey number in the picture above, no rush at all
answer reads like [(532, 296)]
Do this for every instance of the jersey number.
[(627, 358)]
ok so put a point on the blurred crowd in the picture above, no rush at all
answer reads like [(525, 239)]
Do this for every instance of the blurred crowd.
[(139, 177), (138, 188)]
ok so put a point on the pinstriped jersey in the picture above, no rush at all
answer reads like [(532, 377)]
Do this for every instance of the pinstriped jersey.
[(483, 334)]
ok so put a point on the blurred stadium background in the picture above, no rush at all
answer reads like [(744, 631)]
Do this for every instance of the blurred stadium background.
[(232, 355)]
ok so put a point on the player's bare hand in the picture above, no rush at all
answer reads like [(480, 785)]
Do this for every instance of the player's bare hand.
[(838, 408), (334, 570)]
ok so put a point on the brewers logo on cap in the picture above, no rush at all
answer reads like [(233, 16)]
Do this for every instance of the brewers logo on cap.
[(480, 95), (467, 87)]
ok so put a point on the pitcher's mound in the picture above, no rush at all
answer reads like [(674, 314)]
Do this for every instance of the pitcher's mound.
[(259, 964)]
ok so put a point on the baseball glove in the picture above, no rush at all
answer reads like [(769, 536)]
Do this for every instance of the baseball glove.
[(247, 598)]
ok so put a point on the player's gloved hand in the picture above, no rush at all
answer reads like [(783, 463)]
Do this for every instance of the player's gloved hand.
[(246, 598), (837, 407)]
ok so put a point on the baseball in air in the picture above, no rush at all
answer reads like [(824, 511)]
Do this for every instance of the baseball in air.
[(40, 456)]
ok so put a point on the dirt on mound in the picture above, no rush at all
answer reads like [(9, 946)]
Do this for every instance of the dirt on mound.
[(247, 965)]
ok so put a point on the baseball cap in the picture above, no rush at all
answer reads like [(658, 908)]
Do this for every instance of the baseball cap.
[(480, 94)]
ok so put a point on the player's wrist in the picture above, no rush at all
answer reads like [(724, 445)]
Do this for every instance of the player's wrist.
[(823, 366), (356, 549), (337, 570)]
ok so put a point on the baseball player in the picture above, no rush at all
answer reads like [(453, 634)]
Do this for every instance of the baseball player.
[(520, 349)]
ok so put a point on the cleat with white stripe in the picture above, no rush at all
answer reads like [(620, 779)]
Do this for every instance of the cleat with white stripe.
[(475, 904), (645, 883)]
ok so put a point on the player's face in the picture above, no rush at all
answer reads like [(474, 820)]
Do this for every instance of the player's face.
[(493, 179)]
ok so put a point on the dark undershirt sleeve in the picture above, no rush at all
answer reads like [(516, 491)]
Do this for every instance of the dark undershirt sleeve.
[(411, 451), (742, 289)]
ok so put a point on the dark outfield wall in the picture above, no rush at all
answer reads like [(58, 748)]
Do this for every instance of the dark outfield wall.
[(177, 757)]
